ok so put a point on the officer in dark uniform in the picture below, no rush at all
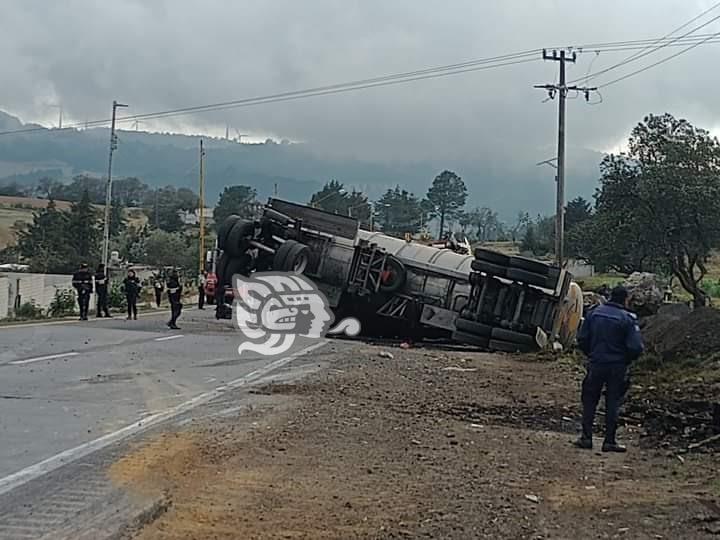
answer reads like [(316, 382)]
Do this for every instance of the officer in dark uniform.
[(132, 287), (101, 289), (610, 338), (82, 281), (174, 290)]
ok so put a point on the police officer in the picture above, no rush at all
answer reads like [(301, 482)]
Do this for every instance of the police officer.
[(202, 280), (610, 338), (174, 289), (158, 287), (101, 289), (131, 286), (82, 281)]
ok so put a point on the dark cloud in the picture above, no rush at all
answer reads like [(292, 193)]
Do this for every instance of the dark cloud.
[(164, 54)]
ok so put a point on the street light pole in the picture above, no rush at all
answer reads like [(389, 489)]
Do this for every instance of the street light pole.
[(108, 187)]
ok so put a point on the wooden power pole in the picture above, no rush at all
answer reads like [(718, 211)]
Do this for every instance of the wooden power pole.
[(201, 213)]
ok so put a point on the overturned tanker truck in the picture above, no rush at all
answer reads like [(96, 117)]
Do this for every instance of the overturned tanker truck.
[(404, 289)]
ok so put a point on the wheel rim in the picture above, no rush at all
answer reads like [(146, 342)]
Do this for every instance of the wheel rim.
[(300, 264)]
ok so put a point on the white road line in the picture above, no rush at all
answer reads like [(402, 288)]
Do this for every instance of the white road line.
[(167, 338), (41, 358), (32, 472)]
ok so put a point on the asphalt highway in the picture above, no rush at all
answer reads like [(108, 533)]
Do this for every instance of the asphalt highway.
[(65, 385)]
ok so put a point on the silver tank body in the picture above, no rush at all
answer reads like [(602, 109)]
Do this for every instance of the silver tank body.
[(440, 274)]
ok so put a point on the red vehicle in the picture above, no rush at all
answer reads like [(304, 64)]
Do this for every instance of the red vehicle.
[(210, 286)]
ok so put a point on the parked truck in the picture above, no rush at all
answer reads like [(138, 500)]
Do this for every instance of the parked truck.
[(403, 288)]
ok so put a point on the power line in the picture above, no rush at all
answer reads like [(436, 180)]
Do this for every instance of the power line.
[(398, 78), (652, 48), (661, 61)]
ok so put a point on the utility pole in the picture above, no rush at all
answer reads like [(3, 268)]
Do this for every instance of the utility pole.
[(561, 89), (202, 207), (108, 188)]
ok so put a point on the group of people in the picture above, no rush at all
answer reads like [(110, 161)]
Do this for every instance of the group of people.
[(85, 283)]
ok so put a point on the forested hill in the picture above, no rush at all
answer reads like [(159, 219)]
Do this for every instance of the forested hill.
[(297, 169)]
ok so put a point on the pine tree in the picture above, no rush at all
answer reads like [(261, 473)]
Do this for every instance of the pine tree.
[(83, 232)]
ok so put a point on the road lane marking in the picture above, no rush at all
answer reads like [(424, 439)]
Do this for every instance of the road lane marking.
[(23, 476), (41, 358), (166, 338)]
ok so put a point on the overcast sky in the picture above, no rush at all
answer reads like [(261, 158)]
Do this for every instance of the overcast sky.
[(160, 54)]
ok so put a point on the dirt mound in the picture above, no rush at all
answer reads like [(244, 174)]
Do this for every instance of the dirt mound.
[(676, 334)]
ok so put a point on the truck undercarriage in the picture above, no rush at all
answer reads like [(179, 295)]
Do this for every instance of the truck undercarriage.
[(402, 288)]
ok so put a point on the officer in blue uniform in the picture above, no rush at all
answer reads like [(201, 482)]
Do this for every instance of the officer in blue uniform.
[(610, 338)]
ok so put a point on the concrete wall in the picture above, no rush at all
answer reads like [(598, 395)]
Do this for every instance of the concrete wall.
[(4, 297), (20, 287)]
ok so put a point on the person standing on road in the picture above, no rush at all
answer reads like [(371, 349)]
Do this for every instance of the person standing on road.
[(174, 289), (610, 338), (131, 286), (202, 279), (101, 289), (158, 287), (82, 281)]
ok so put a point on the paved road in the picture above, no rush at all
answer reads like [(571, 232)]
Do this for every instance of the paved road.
[(64, 385)]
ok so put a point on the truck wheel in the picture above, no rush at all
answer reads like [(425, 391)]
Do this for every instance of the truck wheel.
[(393, 276), (488, 255), (298, 259), (531, 278), (530, 265), (507, 346), (501, 334), (472, 327), (236, 265), (487, 268), (237, 239), (471, 339), (281, 254), (224, 230)]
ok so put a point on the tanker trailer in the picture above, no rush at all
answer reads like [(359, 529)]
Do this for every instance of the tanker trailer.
[(393, 285)]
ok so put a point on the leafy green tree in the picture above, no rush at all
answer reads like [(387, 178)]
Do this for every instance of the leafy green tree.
[(447, 197), (165, 204), (83, 233), (485, 222), (234, 200), (331, 198), (539, 236), (398, 212), (43, 244), (162, 248), (13, 189), (659, 204), (577, 211), (118, 223)]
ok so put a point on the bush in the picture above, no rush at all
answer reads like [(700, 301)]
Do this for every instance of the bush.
[(116, 296), (63, 303), (29, 310)]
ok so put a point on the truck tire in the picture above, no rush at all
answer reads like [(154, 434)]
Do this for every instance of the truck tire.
[(471, 339), (297, 259), (502, 334), (281, 254), (238, 237), (394, 275), (507, 346), (224, 230), (531, 278), (494, 257), (487, 268), (471, 327), (236, 265), (530, 265)]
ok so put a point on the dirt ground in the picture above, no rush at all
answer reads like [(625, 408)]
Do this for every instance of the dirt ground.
[(428, 444)]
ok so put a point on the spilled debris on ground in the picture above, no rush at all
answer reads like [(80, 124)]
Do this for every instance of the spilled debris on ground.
[(419, 443)]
